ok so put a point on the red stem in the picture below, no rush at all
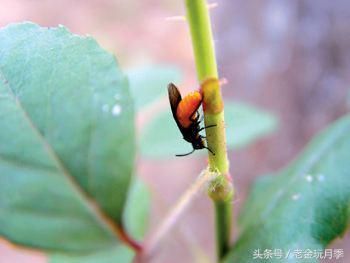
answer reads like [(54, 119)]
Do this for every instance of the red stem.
[(128, 240)]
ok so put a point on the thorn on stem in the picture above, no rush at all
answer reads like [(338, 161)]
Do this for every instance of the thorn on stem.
[(212, 5), (223, 81), (175, 18)]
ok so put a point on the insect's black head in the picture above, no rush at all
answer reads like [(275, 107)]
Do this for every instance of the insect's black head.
[(198, 143)]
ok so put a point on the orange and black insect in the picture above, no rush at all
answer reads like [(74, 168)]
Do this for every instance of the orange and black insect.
[(186, 115)]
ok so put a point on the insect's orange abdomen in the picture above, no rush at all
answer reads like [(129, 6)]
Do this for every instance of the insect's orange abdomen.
[(187, 106)]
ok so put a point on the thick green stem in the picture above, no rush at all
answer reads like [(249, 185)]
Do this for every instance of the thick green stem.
[(220, 189)]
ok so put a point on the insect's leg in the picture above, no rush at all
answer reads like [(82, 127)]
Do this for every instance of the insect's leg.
[(206, 127), (195, 120), (195, 111), (180, 155), (202, 118), (209, 150)]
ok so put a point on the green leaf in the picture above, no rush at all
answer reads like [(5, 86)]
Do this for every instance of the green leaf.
[(136, 220), (161, 138), (246, 124), (137, 209), (66, 140), (305, 206), (114, 254), (149, 83)]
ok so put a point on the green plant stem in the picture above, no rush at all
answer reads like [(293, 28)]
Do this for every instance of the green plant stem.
[(202, 40), (220, 190), (223, 232)]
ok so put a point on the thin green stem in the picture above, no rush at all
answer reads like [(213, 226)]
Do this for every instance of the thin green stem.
[(223, 232), (202, 39), (220, 189)]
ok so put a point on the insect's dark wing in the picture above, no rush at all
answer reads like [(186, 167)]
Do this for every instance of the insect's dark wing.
[(174, 99)]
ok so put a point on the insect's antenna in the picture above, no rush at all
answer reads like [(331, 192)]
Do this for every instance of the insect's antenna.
[(210, 126), (207, 127), (209, 150), (180, 155)]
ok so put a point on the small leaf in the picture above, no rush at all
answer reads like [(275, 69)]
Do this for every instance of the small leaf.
[(149, 83), (66, 140), (246, 124), (137, 209), (305, 206), (161, 138)]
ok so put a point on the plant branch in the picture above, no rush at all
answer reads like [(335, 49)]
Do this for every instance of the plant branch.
[(174, 214), (223, 232), (127, 239), (220, 189)]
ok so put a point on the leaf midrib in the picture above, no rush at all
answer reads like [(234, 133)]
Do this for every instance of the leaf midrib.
[(103, 219)]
